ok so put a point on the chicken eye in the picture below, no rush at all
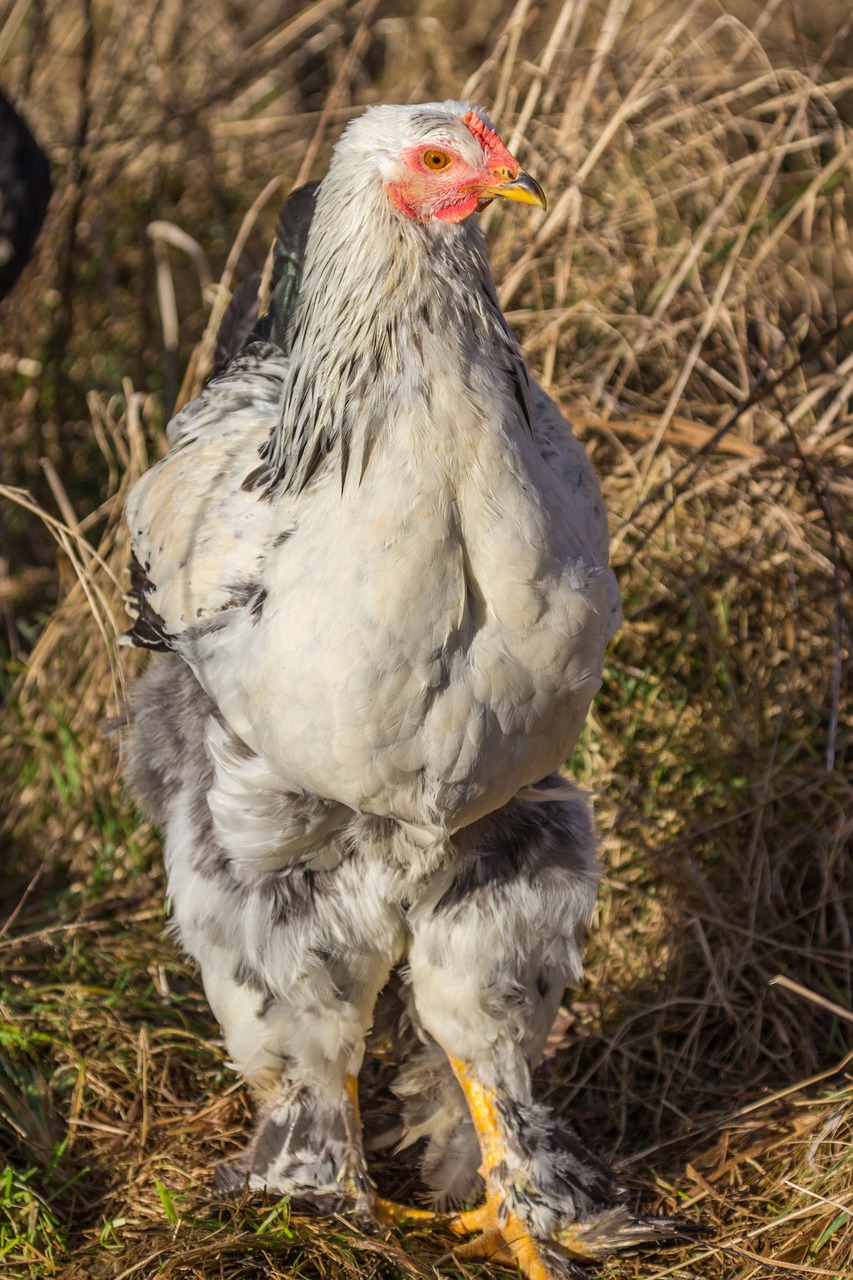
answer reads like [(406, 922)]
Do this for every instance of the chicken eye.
[(435, 160)]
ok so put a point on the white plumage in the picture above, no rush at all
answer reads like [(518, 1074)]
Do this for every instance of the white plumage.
[(380, 560)]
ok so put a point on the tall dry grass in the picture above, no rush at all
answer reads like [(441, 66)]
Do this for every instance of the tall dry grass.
[(688, 298)]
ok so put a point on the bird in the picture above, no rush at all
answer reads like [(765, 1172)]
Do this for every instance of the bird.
[(25, 190), (372, 569)]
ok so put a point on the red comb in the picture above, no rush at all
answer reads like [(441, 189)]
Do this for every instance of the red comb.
[(496, 152)]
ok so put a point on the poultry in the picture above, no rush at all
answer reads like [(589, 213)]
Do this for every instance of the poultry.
[(377, 557), (25, 190)]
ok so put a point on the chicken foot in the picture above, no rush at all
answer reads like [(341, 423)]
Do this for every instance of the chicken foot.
[(509, 1224), (505, 1234)]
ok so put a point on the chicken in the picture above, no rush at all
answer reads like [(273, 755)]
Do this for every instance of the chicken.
[(377, 558)]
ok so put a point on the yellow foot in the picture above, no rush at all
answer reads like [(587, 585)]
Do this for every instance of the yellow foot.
[(507, 1241), (389, 1213), (504, 1238)]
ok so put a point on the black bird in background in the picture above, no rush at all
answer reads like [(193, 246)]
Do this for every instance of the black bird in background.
[(25, 190)]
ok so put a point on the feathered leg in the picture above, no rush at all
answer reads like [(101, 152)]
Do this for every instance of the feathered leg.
[(292, 958), (300, 1046), (494, 942)]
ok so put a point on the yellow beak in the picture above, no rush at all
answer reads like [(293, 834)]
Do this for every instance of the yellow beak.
[(524, 189)]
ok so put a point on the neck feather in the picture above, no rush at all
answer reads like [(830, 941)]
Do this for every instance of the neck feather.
[(374, 286)]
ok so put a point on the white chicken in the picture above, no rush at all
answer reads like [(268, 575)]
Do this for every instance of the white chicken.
[(379, 560)]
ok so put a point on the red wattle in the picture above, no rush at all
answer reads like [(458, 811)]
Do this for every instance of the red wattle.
[(458, 212)]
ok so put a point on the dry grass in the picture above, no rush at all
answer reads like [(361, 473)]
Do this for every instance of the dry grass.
[(689, 299)]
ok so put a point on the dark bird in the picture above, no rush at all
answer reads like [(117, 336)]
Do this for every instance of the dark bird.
[(24, 194), (377, 558)]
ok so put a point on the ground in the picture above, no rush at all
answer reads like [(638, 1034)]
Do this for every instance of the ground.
[(688, 298)]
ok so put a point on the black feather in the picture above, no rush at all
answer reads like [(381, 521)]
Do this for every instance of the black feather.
[(238, 323), (24, 194), (242, 324), (149, 629), (291, 238)]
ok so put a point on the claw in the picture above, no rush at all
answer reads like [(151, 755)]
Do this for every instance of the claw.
[(488, 1247), (390, 1213), (503, 1235), (471, 1220), (508, 1243)]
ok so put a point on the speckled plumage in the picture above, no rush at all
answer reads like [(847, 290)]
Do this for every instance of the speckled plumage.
[(404, 403), (379, 558)]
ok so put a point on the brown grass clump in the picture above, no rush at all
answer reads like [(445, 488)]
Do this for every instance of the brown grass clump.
[(688, 298)]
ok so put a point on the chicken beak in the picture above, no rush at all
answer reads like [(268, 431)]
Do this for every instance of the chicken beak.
[(523, 188)]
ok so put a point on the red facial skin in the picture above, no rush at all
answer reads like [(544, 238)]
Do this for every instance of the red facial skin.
[(454, 193)]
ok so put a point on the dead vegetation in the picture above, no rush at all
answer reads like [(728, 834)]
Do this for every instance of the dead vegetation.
[(689, 299)]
